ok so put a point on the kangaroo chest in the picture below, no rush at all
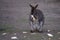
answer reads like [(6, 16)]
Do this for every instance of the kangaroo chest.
[(34, 19)]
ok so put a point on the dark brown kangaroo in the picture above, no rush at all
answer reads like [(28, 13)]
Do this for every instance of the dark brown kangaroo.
[(36, 18)]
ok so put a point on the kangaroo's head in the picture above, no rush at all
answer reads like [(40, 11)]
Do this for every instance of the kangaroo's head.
[(33, 8)]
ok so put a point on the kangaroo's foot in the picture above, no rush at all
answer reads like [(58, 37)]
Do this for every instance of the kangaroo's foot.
[(31, 31), (40, 31)]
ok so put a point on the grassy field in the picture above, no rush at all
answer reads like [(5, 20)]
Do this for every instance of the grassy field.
[(14, 15)]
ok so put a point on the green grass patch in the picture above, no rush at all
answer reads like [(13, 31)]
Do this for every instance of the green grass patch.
[(6, 27)]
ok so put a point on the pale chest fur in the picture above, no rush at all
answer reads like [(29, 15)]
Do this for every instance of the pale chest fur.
[(35, 21)]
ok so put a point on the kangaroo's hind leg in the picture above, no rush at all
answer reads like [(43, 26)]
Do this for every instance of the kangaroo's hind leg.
[(40, 27), (32, 27)]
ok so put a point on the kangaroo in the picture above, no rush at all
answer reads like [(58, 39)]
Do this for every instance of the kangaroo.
[(36, 19)]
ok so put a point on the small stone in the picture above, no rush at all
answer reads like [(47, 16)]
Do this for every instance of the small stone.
[(49, 38), (50, 35), (58, 32), (48, 30), (33, 33), (4, 33), (59, 38), (24, 32), (25, 36), (14, 37), (14, 33)]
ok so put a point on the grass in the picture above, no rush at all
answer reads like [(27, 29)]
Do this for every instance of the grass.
[(28, 36), (6, 28)]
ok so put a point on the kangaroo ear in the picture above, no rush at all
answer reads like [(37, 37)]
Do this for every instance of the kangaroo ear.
[(30, 5), (36, 6)]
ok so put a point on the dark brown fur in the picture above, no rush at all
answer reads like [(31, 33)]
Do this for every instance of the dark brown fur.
[(37, 15)]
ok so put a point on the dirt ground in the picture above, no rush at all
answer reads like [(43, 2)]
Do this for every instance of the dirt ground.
[(14, 15)]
